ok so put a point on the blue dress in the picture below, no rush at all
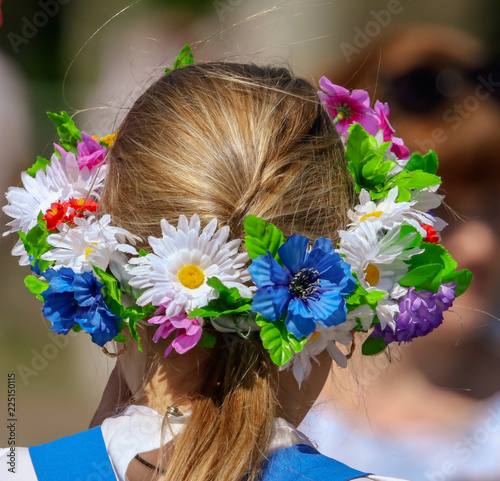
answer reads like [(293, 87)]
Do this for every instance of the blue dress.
[(83, 457)]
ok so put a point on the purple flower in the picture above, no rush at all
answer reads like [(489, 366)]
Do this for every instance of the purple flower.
[(90, 152), (188, 330), (349, 107), (420, 312), (398, 148)]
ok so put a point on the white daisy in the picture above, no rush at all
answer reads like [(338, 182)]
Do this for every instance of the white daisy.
[(183, 260), (323, 338), (364, 314), (379, 263), (377, 260), (63, 179), (388, 213), (91, 242), (428, 199)]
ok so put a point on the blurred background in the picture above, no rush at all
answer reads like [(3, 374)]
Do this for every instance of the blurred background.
[(431, 411)]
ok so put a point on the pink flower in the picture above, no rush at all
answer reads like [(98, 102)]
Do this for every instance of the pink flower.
[(347, 107), (398, 148), (90, 152), (188, 330)]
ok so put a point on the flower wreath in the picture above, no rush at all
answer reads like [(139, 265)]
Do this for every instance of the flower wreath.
[(389, 276)]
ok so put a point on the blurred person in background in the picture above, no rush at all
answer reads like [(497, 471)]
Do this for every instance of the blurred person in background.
[(436, 413)]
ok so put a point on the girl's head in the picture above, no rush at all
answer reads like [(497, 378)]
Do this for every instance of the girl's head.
[(226, 141)]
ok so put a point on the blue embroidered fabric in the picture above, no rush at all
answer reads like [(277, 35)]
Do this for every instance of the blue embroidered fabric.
[(83, 456)]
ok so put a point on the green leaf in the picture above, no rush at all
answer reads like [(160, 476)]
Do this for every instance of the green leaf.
[(280, 343), (207, 340), (68, 133), (407, 181), (143, 253), (410, 230), (36, 286), (427, 163), (40, 164), (76, 328), (360, 297), (113, 297), (262, 237), (229, 302), (423, 278), (368, 161), (434, 254), (184, 58), (120, 338), (35, 243), (373, 346), (461, 278), (111, 292)]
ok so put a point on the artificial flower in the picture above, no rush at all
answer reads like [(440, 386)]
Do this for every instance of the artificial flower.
[(323, 338), (420, 312), (377, 260), (109, 140), (76, 299), (82, 206), (388, 213), (348, 107), (188, 331), (90, 153), (61, 180), (309, 288), (431, 235), (181, 263), (90, 242), (397, 147), (55, 215)]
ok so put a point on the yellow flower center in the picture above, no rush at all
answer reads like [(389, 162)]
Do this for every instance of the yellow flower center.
[(314, 336), (80, 201), (372, 275), (54, 211), (88, 250), (191, 276), (376, 214)]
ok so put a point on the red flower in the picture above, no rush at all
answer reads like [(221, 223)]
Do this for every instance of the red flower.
[(432, 236), (55, 215), (80, 206)]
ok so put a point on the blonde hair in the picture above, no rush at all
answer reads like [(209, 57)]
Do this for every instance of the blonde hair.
[(228, 140)]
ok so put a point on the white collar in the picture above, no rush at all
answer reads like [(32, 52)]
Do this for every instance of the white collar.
[(138, 430)]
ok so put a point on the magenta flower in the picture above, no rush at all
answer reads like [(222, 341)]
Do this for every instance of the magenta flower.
[(188, 330), (90, 152), (348, 107), (398, 147)]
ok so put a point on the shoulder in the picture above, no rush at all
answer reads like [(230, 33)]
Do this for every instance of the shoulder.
[(304, 462)]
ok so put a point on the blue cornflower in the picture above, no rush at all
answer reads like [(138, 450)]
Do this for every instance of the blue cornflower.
[(309, 288), (76, 298)]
